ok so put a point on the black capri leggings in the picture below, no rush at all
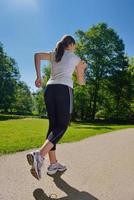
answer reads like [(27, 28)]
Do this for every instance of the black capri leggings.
[(59, 103)]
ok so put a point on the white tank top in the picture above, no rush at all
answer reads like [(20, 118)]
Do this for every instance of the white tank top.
[(62, 71)]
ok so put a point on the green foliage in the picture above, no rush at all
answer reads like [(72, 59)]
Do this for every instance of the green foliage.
[(39, 101), (109, 90), (9, 75), (23, 99), (131, 71), (107, 77), (131, 66), (39, 96), (15, 95)]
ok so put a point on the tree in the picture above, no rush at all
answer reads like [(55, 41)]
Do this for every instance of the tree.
[(131, 66), (23, 99), (103, 50), (131, 71), (39, 96), (9, 76), (81, 103)]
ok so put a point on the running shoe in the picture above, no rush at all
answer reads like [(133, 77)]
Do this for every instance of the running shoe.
[(53, 168), (36, 161)]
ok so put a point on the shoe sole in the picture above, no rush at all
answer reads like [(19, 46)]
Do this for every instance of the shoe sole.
[(34, 174), (30, 160), (54, 172)]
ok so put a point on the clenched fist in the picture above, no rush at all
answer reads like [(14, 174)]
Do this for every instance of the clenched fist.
[(38, 82), (83, 64)]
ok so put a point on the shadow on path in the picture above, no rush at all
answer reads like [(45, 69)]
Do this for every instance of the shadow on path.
[(72, 193)]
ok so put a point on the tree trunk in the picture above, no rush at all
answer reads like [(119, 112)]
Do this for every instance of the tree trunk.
[(95, 101)]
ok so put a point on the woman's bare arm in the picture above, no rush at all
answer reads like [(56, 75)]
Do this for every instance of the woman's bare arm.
[(37, 58), (79, 70)]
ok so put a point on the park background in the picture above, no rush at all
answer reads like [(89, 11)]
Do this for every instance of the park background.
[(103, 31)]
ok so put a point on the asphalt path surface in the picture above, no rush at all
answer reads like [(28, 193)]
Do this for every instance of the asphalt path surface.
[(98, 168)]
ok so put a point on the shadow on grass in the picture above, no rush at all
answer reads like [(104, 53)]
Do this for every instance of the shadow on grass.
[(8, 117), (71, 192), (93, 127), (93, 123), (4, 117)]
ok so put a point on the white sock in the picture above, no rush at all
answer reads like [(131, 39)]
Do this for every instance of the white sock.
[(40, 157)]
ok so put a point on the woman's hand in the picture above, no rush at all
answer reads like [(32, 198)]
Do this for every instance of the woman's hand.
[(83, 64), (38, 82)]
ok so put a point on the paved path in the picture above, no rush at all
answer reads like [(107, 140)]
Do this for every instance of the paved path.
[(99, 168)]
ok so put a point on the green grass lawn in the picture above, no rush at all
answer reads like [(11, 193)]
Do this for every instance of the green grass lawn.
[(21, 134)]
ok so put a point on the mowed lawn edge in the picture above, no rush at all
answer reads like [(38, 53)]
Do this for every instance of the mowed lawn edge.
[(27, 133)]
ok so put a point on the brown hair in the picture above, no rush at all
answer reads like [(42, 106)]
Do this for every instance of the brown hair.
[(61, 45)]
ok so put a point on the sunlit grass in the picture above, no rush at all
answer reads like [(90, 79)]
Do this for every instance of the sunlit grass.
[(21, 134)]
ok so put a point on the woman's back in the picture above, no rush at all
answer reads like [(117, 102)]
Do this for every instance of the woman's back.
[(62, 71)]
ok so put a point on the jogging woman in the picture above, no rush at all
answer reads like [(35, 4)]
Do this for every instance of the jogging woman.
[(58, 97)]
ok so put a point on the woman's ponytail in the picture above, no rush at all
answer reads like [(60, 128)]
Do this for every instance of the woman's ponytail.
[(61, 45), (59, 51)]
